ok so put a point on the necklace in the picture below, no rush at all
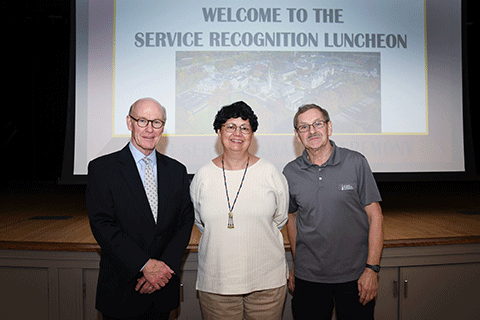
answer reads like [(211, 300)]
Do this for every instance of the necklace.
[(230, 208)]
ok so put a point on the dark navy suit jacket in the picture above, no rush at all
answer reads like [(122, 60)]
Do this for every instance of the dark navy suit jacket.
[(122, 223)]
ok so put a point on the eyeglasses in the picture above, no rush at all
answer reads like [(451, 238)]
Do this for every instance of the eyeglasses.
[(142, 122), (318, 124), (231, 127)]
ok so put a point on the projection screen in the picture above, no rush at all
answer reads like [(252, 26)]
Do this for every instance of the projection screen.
[(389, 73)]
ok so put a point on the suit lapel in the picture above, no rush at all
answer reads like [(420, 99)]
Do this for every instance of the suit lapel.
[(162, 188), (129, 171)]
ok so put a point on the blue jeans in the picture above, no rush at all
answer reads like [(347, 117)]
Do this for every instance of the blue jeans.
[(317, 300)]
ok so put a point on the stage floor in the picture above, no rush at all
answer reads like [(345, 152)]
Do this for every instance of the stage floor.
[(55, 219)]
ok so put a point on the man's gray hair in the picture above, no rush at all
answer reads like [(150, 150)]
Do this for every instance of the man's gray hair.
[(307, 107)]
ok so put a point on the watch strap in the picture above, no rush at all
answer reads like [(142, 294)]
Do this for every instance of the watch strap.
[(374, 267)]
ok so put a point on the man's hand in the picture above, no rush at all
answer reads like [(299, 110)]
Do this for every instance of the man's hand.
[(156, 273), (367, 286), (291, 280), (144, 287)]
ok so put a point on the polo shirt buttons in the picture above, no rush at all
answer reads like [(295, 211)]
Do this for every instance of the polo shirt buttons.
[(320, 178)]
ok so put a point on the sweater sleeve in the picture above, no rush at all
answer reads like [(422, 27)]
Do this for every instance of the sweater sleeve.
[(282, 197), (195, 189)]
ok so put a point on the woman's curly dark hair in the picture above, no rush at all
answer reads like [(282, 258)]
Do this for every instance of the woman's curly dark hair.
[(237, 109)]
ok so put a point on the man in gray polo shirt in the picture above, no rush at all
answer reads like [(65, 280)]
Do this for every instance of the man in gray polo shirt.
[(335, 224)]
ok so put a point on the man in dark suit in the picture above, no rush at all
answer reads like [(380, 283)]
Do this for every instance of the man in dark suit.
[(141, 216)]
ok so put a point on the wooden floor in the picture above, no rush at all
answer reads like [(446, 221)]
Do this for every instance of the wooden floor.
[(57, 220)]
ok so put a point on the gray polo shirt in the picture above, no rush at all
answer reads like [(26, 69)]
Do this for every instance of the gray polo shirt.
[(332, 224)]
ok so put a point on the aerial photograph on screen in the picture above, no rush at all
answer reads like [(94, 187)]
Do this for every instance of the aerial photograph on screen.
[(275, 84)]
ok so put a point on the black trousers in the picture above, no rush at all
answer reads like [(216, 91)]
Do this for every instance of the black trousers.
[(317, 300), (151, 314)]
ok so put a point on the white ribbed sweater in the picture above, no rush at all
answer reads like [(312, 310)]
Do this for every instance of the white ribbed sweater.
[(251, 256)]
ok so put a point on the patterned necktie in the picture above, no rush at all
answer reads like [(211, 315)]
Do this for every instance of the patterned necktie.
[(151, 188)]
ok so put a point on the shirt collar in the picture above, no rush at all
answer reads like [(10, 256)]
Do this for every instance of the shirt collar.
[(333, 160), (138, 156)]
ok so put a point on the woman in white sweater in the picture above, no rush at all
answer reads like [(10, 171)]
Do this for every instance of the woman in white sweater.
[(241, 204)]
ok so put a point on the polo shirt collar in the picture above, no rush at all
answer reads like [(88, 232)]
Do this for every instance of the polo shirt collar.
[(333, 160)]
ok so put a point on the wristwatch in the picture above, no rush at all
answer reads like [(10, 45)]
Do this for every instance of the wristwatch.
[(375, 267)]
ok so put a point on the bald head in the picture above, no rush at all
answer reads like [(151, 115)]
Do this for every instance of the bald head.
[(140, 121), (143, 101)]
